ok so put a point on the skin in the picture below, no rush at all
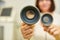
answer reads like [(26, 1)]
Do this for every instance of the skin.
[(27, 30), (44, 5), (53, 30)]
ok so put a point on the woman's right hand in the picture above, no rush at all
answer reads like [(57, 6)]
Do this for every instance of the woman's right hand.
[(27, 30)]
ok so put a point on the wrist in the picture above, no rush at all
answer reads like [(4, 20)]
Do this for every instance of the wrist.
[(26, 39), (58, 37)]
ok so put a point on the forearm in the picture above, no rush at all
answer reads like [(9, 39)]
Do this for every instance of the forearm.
[(27, 39), (57, 37)]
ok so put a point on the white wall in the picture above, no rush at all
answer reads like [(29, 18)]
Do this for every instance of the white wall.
[(57, 4)]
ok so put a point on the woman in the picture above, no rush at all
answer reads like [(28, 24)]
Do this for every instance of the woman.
[(45, 6)]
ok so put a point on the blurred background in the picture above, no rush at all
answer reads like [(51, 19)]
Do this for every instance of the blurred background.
[(10, 17)]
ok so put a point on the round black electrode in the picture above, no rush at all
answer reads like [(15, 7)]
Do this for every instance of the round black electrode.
[(47, 19), (30, 15)]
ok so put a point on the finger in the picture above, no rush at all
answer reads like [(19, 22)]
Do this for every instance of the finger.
[(51, 27), (45, 28), (56, 33), (52, 30), (23, 27), (22, 24), (28, 27), (27, 32), (28, 36), (32, 25)]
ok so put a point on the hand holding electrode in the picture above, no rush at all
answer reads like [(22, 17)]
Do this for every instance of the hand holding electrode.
[(47, 21), (29, 15), (53, 30), (27, 30)]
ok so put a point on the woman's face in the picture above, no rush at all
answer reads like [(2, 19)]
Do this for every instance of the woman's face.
[(44, 5)]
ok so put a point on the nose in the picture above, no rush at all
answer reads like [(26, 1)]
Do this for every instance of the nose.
[(44, 1)]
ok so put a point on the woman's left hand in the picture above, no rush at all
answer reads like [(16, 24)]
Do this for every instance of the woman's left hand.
[(53, 30)]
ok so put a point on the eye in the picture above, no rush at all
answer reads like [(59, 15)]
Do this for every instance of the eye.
[(41, 0), (47, 0), (44, 0)]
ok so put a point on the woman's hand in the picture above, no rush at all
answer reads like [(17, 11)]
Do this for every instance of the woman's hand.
[(27, 30), (53, 30)]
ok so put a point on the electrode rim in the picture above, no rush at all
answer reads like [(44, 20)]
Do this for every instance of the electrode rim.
[(30, 21), (50, 20)]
